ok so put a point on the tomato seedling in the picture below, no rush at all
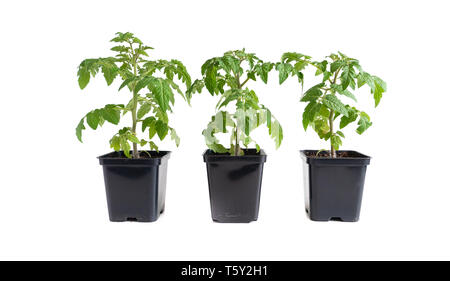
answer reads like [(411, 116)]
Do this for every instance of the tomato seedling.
[(152, 95)]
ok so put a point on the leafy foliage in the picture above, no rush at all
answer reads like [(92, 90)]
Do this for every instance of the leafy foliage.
[(226, 77), (152, 95), (340, 76)]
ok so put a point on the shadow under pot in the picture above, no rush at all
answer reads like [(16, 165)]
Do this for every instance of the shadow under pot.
[(334, 186), (135, 188), (235, 185)]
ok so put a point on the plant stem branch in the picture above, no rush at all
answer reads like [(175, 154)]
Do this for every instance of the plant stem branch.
[(245, 81), (336, 75)]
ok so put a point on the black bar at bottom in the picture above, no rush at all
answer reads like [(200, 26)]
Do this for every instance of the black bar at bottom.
[(223, 270)]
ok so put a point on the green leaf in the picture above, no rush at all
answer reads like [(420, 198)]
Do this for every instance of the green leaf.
[(364, 123), (284, 69), (229, 95), (277, 133), (310, 111), (196, 87), (148, 122), (234, 63), (143, 110), (345, 120), (115, 143), (83, 77), (247, 126), (326, 76), (347, 76), (110, 71), (251, 75), (152, 130), (217, 148), (182, 72), (79, 129), (177, 88), (320, 125), (162, 91), (321, 67), (347, 93), (153, 146), (312, 94), (93, 118), (300, 65), (174, 136), (291, 56), (122, 37), (251, 96), (136, 40), (332, 102), (224, 63), (340, 133), (133, 138), (380, 88), (336, 142), (210, 79), (120, 49), (161, 129), (363, 78), (336, 65), (161, 115), (126, 82), (206, 65), (124, 131), (125, 146), (111, 115), (142, 83), (263, 71), (141, 52), (324, 112), (300, 78)]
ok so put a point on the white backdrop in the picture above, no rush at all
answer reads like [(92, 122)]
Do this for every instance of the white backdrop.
[(52, 199)]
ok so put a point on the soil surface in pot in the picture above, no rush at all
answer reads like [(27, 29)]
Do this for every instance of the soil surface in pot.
[(250, 151), (142, 154), (339, 154)]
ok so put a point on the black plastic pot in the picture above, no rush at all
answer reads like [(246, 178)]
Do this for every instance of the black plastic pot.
[(334, 187), (135, 188), (235, 185)]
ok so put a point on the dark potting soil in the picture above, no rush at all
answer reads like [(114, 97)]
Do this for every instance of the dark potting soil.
[(247, 152), (339, 154), (142, 154)]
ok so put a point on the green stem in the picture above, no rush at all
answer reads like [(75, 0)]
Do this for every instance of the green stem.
[(133, 128), (332, 150), (134, 108), (245, 81), (330, 119), (336, 75), (236, 132), (236, 141)]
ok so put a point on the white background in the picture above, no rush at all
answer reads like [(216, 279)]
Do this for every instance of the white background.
[(52, 199)]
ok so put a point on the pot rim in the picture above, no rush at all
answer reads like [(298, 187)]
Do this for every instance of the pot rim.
[(360, 160), (210, 156), (106, 159)]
